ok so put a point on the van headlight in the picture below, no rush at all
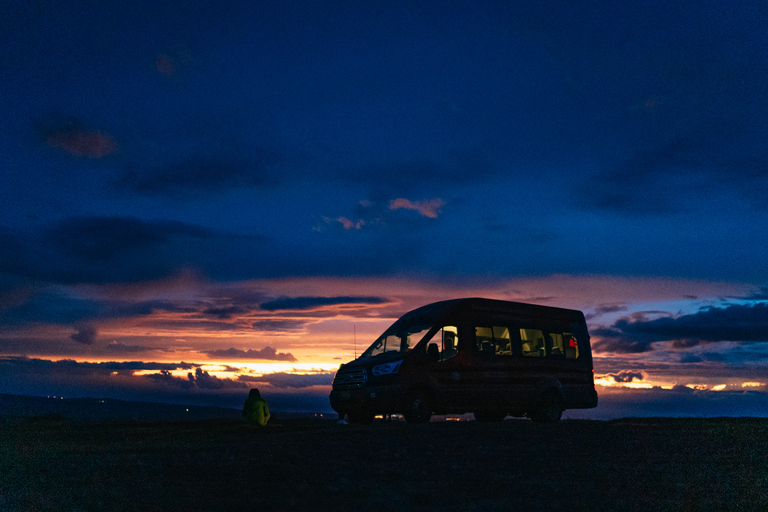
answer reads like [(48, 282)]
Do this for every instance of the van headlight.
[(386, 368)]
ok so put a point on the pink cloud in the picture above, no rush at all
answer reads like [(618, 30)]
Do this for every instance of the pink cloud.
[(349, 224), (428, 208)]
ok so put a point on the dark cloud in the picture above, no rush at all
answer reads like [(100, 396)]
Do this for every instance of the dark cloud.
[(279, 325), (290, 380), (606, 309), (625, 376), (59, 305), (739, 323), (267, 353), (73, 136), (708, 357), (203, 380), (121, 249), (167, 379), (101, 238), (201, 175), (302, 303), (85, 334), (200, 379), (642, 184), (67, 365), (761, 294), (225, 312)]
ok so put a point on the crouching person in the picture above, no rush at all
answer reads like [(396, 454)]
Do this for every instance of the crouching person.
[(255, 409)]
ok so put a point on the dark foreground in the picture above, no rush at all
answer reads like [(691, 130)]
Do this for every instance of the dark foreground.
[(648, 464)]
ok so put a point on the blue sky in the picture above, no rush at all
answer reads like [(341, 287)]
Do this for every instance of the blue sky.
[(170, 173)]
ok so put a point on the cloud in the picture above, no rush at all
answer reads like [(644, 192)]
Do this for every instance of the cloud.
[(45, 366), (100, 238), (200, 379), (604, 309), (197, 175), (279, 325), (226, 312), (291, 380), (350, 224), (625, 376), (761, 294), (303, 303), (86, 335), (267, 353), (428, 208), (739, 323), (122, 249), (72, 136), (203, 380), (55, 304), (165, 378)]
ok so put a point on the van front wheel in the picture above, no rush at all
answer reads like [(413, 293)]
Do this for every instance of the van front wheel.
[(549, 410), (418, 409)]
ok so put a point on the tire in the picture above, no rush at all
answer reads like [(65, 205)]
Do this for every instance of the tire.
[(549, 410), (360, 417), (418, 409), (489, 416)]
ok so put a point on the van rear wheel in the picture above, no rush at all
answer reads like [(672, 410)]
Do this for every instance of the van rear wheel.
[(549, 410), (418, 409)]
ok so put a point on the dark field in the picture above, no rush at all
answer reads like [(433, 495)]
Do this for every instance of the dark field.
[(644, 464)]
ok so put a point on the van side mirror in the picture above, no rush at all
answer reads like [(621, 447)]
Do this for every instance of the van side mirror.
[(433, 352)]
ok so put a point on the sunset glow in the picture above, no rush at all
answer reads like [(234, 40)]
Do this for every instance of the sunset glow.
[(196, 199)]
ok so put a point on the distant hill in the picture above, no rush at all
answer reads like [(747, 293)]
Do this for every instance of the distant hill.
[(17, 406)]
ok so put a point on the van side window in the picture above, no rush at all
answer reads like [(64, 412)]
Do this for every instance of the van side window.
[(556, 348), (571, 346), (446, 342), (484, 339), (494, 340), (502, 343), (533, 342)]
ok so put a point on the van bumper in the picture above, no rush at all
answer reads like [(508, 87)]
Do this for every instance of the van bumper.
[(586, 399), (377, 399)]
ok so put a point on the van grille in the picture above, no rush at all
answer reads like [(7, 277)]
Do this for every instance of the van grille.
[(349, 378)]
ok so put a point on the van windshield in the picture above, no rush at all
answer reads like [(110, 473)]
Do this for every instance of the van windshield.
[(398, 338)]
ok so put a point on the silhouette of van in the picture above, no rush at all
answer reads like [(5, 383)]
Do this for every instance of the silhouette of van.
[(489, 357)]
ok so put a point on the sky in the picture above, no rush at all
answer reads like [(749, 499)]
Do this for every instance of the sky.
[(199, 197)]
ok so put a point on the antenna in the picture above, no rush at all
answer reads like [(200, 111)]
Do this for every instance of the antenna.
[(354, 334)]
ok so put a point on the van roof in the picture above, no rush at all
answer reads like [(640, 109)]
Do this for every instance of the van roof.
[(494, 306)]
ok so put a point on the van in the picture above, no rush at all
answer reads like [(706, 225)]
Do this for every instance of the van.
[(489, 357)]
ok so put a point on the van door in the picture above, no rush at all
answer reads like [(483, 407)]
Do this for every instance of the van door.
[(509, 367), (447, 366)]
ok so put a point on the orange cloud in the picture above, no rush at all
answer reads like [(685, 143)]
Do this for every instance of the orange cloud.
[(428, 208)]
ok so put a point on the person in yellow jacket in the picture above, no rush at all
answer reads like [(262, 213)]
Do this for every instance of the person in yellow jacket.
[(255, 409)]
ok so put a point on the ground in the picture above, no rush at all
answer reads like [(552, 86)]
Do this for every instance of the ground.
[(51, 463)]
